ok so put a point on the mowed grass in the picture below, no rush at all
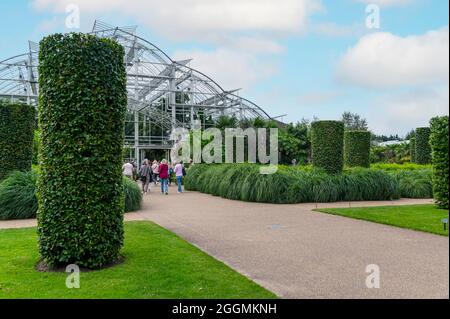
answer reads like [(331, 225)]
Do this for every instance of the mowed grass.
[(426, 218), (158, 264)]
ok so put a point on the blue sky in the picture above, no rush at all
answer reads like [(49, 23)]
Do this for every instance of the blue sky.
[(303, 58)]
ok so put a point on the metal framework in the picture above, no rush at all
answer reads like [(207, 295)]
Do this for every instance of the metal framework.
[(163, 94)]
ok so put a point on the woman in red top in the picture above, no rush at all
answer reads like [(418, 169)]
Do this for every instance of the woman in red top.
[(164, 177)]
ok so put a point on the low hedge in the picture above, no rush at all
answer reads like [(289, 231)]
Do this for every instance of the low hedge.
[(439, 142), (423, 147), (291, 184), (133, 195), (18, 196), (327, 145), (17, 123), (357, 148)]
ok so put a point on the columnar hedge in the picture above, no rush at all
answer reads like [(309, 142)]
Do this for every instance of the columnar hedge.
[(327, 142), (412, 149), (17, 122), (423, 147), (439, 142), (82, 107), (357, 148)]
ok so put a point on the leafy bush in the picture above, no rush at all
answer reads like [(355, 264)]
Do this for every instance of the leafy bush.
[(291, 184), (327, 140), (17, 122), (439, 143), (423, 147), (18, 196), (412, 149), (133, 195), (402, 167), (414, 183), (82, 105), (357, 148), (395, 154)]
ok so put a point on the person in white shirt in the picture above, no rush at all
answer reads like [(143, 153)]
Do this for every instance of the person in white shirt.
[(128, 170)]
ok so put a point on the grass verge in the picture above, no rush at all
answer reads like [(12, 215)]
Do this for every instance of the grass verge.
[(426, 218), (158, 264)]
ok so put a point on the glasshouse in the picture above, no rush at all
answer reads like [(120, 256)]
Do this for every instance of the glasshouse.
[(162, 93)]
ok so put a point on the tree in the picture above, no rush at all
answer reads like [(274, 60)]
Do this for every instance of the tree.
[(354, 122)]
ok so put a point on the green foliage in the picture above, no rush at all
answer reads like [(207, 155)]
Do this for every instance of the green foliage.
[(439, 142), (423, 147), (82, 105), (394, 154), (133, 195), (357, 148), (412, 149), (327, 139), (354, 122), (414, 180), (414, 183), (425, 218), (17, 122), (397, 167), (290, 148), (18, 196), (291, 184)]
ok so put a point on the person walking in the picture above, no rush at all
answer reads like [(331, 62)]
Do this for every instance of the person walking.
[(171, 170), (155, 171), (146, 175), (164, 177), (127, 170), (179, 172)]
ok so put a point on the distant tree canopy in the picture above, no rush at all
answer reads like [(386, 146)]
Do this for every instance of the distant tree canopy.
[(354, 122)]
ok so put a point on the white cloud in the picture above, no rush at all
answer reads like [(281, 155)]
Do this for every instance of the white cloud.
[(230, 68), (387, 3), (401, 113), (381, 60), (335, 30), (242, 32), (201, 18)]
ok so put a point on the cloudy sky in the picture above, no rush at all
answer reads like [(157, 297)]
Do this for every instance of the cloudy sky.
[(303, 58)]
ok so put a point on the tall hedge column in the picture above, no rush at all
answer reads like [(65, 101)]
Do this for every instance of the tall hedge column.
[(82, 107), (439, 143), (412, 149), (17, 124), (423, 147), (327, 141), (357, 148)]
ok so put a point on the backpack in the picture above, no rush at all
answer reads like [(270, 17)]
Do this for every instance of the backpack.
[(184, 171)]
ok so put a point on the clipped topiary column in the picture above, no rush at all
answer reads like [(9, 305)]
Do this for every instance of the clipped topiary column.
[(412, 149), (439, 143), (17, 124), (327, 142), (423, 147), (82, 105), (357, 148)]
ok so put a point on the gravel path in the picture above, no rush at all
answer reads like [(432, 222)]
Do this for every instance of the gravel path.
[(298, 253)]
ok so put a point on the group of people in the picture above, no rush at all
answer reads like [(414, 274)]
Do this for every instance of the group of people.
[(156, 172)]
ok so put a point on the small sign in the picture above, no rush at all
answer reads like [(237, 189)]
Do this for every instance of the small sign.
[(445, 221)]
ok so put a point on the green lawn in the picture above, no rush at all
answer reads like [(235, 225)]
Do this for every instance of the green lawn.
[(425, 218), (158, 264)]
